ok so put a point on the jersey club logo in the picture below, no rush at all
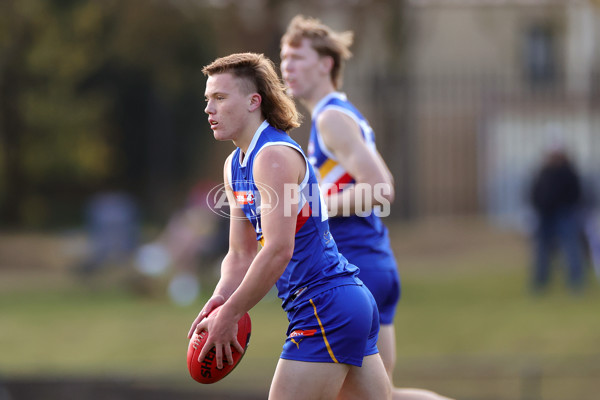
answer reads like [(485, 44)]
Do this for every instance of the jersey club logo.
[(244, 197), (217, 200)]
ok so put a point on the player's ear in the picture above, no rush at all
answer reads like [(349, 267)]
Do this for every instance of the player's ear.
[(254, 101), (326, 64)]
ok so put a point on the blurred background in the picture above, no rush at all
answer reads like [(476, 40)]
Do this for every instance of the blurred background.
[(108, 246)]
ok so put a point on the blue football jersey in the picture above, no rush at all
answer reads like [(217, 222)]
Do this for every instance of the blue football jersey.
[(356, 236), (316, 264)]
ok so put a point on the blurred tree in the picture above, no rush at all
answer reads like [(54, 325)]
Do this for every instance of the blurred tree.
[(13, 40), (95, 94), (103, 95)]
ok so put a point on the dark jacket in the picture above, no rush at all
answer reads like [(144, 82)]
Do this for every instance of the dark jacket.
[(556, 188)]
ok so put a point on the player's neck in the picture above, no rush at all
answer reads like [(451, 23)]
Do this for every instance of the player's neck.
[(245, 138), (320, 91)]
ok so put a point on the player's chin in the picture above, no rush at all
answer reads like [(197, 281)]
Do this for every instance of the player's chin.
[(219, 135)]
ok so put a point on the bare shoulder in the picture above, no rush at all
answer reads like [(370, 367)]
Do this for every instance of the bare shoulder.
[(279, 159), (329, 117), (335, 125)]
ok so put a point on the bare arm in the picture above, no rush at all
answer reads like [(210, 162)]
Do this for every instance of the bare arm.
[(342, 136), (242, 250), (274, 167)]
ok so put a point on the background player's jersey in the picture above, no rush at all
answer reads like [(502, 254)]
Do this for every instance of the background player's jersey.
[(355, 236), (316, 264)]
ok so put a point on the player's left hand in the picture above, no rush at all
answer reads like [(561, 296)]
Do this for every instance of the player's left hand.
[(222, 335), (211, 304)]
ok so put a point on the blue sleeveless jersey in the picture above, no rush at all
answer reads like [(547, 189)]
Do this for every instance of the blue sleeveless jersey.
[(316, 264), (356, 237)]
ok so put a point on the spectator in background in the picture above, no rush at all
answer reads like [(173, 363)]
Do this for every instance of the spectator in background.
[(556, 197), (112, 223)]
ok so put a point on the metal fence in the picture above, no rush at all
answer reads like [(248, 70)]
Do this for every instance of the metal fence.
[(464, 145)]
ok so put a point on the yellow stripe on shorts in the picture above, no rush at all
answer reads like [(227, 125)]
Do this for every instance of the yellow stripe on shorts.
[(323, 333)]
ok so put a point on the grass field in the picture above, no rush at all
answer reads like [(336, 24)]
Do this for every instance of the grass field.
[(466, 325)]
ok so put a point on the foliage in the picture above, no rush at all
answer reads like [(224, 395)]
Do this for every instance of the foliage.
[(95, 94)]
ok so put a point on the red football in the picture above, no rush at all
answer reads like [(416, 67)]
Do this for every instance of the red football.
[(206, 371)]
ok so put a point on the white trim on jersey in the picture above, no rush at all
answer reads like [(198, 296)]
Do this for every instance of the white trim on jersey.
[(230, 170), (324, 148), (303, 200), (365, 129), (321, 105), (261, 128), (334, 175), (337, 95)]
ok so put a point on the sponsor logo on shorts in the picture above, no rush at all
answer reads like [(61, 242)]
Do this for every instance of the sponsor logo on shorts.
[(300, 332), (298, 335)]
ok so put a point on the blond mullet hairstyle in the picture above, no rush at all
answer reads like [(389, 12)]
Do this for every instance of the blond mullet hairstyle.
[(257, 73), (324, 40)]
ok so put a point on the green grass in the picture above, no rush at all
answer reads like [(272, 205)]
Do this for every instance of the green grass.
[(466, 325)]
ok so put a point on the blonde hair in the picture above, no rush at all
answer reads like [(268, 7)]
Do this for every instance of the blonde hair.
[(324, 40), (257, 73)]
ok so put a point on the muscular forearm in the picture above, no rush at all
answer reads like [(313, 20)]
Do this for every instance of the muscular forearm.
[(233, 269), (266, 268)]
